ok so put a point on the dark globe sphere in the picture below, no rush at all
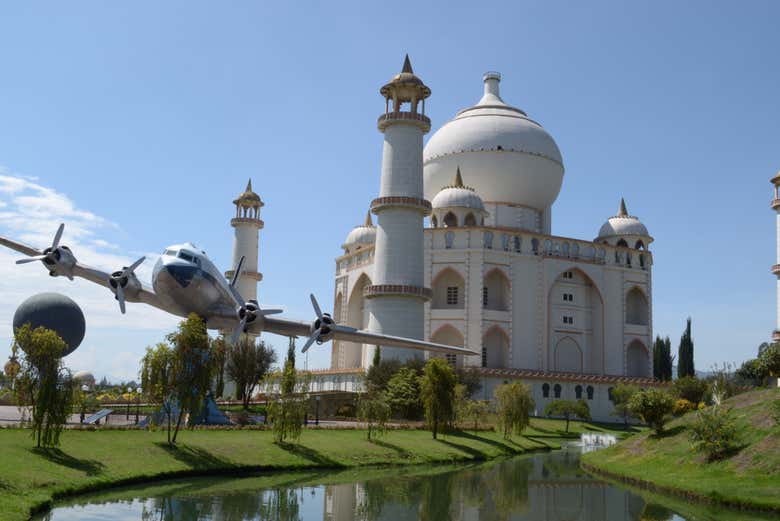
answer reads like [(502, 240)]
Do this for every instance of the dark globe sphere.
[(56, 312)]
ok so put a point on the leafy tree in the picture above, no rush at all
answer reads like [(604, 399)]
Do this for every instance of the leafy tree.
[(714, 432), (247, 364), (287, 410), (470, 378), (513, 405), (43, 382), (769, 360), (379, 375), (157, 379), (568, 409), (192, 367), (219, 355), (437, 389), (750, 373), (690, 388), (403, 393), (621, 395), (373, 410), (685, 365), (653, 406)]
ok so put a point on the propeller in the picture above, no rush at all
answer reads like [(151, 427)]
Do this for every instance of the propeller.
[(51, 253), (323, 325), (246, 311), (119, 280)]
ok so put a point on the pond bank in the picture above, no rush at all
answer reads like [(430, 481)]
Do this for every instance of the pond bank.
[(88, 461)]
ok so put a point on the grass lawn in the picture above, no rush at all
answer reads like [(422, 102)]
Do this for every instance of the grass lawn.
[(93, 460), (749, 477)]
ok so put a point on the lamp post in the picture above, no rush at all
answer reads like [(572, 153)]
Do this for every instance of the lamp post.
[(317, 413), (137, 403), (130, 392), (85, 390)]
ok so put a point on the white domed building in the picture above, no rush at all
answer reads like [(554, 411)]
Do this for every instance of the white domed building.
[(570, 317)]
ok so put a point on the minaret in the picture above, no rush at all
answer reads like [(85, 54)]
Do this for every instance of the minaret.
[(397, 296), (776, 268), (247, 224)]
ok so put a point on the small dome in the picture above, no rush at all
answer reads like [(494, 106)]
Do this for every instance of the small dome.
[(85, 377), (457, 195), (364, 235), (623, 224), (249, 198)]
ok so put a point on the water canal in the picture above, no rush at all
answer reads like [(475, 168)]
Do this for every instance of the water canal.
[(540, 487)]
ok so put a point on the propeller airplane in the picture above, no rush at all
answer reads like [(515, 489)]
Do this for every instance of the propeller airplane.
[(185, 281)]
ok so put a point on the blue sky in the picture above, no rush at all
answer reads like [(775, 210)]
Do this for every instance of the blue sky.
[(140, 122)]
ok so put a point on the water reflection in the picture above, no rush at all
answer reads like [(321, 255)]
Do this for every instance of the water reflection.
[(536, 488)]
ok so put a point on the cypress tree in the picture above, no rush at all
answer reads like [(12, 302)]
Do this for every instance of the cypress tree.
[(685, 354), (658, 361), (377, 358), (668, 360)]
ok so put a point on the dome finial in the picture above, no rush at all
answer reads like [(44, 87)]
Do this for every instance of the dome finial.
[(407, 65), (249, 185), (458, 179), (622, 212), (368, 222)]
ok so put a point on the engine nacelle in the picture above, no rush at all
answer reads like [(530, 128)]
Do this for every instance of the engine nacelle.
[(59, 261), (131, 286)]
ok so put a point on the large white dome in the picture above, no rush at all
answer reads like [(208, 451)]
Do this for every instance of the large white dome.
[(510, 158)]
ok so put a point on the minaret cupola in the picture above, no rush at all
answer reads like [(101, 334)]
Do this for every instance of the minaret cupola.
[(248, 204), (405, 88)]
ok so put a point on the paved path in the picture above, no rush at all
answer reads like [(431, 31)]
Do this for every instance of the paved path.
[(11, 415)]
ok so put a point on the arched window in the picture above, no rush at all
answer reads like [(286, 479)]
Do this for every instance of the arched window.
[(535, 245), (449, 238), (484, 356), (496, 346), (434, 222), (505, 242), (575, 250), (639, 245), (448, 290), (622, 243), (565, 249), (557, 390), (637, 309), (470, 220), (496, 289), (546, 390), (568, 356), (548, 247), (488, 240), (517, 243), (637, 360), (450, 221), (449, 335), (589, 390), (578, 392), (641, 260)]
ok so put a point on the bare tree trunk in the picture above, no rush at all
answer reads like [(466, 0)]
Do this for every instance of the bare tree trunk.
[(178, 424)]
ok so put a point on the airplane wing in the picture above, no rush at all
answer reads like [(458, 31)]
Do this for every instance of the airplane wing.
[(145, 294), (286, 327)]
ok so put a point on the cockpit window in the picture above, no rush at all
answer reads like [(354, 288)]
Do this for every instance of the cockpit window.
[(186, 256), (172, 253)]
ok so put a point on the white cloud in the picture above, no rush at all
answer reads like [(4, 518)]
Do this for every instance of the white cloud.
[(31, 213)]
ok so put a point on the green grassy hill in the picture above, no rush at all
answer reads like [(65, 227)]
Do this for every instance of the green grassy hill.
[(750, 477)]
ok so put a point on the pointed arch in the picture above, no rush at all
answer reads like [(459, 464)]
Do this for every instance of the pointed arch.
[(495, 290), (495, 348), (622, 243), (568, 356), (357, 317), (450, 335), (450, 220), (449, 290), (637, 307), (336, 347), (639, 245), (434, 222), (637, 359), (470, 220), (575, 310)]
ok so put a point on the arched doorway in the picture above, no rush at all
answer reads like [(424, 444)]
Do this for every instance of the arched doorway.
[(450, 335), (637, 309), (495, 291), (637, 360), (449, 290), (357, 317), (568, 356), (495, 348)]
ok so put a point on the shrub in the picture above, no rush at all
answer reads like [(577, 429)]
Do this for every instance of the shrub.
[(682, 406), (403, 394), (653, 407), (621, 395), (513, 405), (373, 410), (714, 432), (437, 390), (690, 388)]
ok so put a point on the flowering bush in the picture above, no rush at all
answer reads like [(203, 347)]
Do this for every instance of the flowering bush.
[(682, 406), (714, 432)]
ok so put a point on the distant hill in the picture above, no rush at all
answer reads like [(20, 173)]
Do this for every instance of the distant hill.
[(750, 477)]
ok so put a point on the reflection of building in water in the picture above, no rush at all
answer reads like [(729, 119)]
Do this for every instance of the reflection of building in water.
[(546, 488)]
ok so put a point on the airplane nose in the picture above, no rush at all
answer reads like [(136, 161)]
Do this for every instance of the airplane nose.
[(182, 274)]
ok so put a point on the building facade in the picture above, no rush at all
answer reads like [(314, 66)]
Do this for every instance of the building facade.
[(571, 317)]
